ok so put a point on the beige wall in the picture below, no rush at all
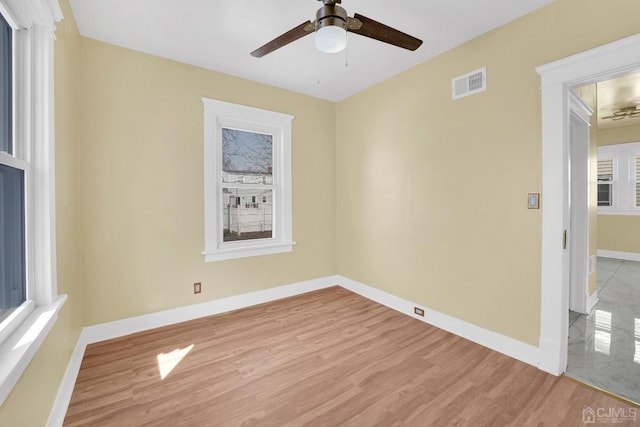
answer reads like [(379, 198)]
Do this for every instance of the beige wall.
[(31, 400), (620, 135), (141, 128), (619, 232), (444, 183)]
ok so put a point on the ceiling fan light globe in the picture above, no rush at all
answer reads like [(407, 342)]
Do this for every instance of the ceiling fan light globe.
[(331, 39)]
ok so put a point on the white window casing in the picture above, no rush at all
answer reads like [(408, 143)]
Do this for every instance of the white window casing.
[(219, 115), (25, 329), (625, 183)]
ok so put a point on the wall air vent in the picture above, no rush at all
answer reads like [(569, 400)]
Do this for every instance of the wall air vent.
[(473, 82)]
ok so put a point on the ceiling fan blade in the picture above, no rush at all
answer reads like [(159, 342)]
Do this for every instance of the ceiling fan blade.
[(376, 30), (286, 38)]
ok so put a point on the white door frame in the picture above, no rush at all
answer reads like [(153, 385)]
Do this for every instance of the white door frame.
[(579, 123), (602, 63)]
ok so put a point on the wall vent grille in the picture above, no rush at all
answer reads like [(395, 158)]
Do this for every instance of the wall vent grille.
[(473, 82)]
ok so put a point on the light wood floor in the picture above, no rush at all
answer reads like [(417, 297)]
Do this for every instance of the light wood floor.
[(326, 358)]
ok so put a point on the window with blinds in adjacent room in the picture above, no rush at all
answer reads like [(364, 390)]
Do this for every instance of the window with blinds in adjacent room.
[(619, 179), (605, 181)]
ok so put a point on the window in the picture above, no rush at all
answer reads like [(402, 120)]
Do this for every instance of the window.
[(28, 296), (619, 179), (605, 181), (247, 158), (12, 190)]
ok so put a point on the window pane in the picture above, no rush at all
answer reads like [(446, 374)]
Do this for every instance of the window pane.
[(247, 214), (605, 182), (6, 87), (605, 195), (247, 157), (12, 240)]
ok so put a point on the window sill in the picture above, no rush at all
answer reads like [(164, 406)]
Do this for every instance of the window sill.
[(247, 251), (18, 350), (619, 212)]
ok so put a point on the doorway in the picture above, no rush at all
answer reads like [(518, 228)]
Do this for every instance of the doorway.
[(604, 337), (558, 78)]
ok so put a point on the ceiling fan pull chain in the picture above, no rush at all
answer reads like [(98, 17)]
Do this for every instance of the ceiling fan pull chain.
[(346, 52)]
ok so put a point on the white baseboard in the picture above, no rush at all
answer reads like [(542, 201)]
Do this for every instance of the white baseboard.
[(120, 328), (96, 333), (627, 256), (524, 352), (59, 410), (549, 361)]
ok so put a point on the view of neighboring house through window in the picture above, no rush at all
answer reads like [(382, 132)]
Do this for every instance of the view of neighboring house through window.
[(247, 176), (619, 179)]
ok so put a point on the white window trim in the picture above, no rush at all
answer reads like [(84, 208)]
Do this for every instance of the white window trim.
[(623, 187), (34, 129), (219, 114)]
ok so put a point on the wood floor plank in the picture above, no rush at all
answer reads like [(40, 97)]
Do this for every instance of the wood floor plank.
[(325, 358)]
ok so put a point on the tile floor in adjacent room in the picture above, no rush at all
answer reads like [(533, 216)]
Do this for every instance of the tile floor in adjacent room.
[(604, 346)]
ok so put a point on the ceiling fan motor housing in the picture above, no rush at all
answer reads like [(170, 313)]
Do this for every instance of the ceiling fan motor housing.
[(331, 27), (331, 14)]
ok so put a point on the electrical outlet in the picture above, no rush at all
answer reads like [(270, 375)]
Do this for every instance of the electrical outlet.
[(418, 311), (197, 288)]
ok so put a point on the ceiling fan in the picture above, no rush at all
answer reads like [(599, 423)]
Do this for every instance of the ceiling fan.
[(619, 114), (331, 27)]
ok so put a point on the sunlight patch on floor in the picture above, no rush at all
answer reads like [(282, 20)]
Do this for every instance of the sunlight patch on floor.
[(168, 361)]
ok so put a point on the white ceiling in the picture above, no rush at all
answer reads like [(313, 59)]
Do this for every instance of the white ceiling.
[(219, 35)]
